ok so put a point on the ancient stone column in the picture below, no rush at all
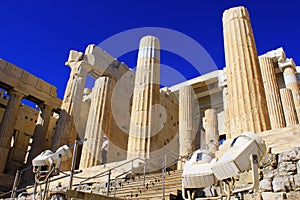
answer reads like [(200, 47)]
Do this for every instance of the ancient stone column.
[(288, 107), (66, 133), (75, 88), (41, 130), (39, 139), (187, 129), (8, 124), (290, 78), (272, 92), (98, 123), (145, 97), (247, 103), (211, 129), (227, 128)]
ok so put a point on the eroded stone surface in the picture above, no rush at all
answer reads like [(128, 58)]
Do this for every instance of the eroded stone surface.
[(248, 112), (265, 185)]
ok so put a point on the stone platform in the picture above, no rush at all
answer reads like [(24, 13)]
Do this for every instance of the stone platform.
[(277, 140)]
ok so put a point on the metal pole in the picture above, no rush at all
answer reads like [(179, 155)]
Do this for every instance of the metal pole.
[(144, 173), (165, 162), (108, 182), (115, 187), (73, 165), (13, 192), (34, 190), (163, 180)]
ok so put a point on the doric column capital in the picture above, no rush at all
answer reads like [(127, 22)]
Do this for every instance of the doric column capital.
[(239, 12), (277, 55), (16, 93), (288, 63), (80, 68), (74, 56), (45, 107)]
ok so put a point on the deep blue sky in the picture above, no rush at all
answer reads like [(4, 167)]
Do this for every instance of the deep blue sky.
[(37, 35)]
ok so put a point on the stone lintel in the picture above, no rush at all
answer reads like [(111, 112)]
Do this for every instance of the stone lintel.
[(34, 88), (289, 62), (100, 62)]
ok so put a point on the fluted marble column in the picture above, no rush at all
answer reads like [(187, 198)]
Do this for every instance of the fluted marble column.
[(75, 88), (272, 92), (187, 127), (145, 97), (290, 78), (98, 123), (247, 103), (211, 129), (288, 107), (69, 116), (41, 130), (227, 128), (8, 124)]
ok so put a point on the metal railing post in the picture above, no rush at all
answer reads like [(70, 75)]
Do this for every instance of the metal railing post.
[(13, 192), (115, 187), (108, 183), (77, 142), (34, 191), (73, 165), (163, 178), (144, 174)]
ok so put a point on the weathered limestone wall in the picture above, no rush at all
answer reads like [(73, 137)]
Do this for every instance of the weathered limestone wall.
[(23, 136), (121, 111), (248, 108), (24, 129), (280, 175), (19, 123), (8, 124)]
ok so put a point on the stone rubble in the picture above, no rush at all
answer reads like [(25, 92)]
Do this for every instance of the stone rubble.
[(280, 175)]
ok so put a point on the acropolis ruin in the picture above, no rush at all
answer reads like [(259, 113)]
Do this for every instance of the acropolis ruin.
[(254, 93)]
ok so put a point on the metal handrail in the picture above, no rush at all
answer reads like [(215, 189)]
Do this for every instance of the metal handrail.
[(107, 171), (165, 165)]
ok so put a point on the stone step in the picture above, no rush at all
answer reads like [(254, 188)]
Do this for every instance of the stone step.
[(137, 191), (150, 194), (150, 181), (149, 186)]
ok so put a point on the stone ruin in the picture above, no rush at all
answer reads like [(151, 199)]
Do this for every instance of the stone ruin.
[(252, 93)]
